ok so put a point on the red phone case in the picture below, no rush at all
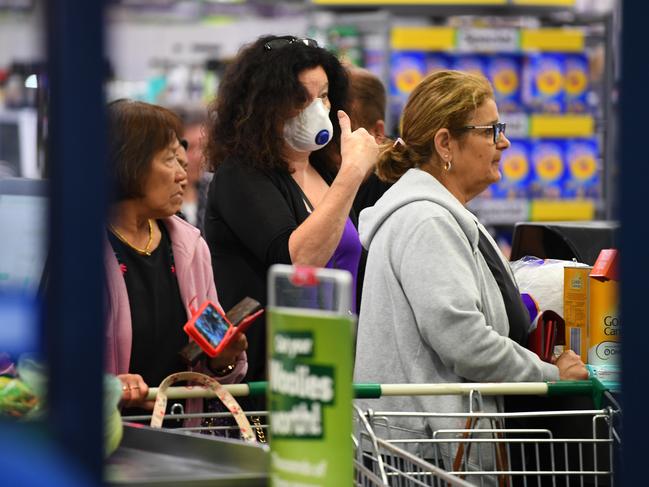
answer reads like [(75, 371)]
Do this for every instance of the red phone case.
[(197, 336), (206, 346)]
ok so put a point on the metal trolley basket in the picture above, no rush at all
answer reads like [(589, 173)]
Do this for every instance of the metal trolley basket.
[(387, 454), (384, 464), (491, 448)]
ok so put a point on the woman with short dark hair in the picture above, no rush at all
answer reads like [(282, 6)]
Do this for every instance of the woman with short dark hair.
[(276, 196), (157, 265)]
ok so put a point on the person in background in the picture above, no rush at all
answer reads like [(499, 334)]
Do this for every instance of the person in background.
[(439, 300), (277, 196), (198, 180), (367, 101), (157, 264)]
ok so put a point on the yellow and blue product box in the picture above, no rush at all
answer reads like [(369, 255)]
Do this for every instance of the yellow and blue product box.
[(575, 308), (470, 63), (437, 61), (548, 168), (374, 60), (504, 71), (582, 161), (408, 68), (543, 83), (515, 169), (604, 322), (576, 83)]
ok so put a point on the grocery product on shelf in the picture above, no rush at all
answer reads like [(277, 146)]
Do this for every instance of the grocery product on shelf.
[(576, 83), (584, 181), (548, 168), (504, 72), (543, 80), (515, 170)]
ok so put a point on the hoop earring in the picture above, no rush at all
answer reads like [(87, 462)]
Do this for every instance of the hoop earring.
[(447, 166)]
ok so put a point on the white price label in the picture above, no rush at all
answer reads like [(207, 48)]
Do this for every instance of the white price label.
[(517, 125), (488, 40), (499, 212)]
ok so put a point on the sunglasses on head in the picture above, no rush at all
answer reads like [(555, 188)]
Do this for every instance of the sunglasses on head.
[(285, 41), (498, 128)]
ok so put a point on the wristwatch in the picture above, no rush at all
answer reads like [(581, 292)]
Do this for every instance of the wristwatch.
[(224, 371)]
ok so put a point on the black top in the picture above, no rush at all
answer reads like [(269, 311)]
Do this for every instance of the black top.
[(517, 314), (157, 310), (370, 192), (249, 219)]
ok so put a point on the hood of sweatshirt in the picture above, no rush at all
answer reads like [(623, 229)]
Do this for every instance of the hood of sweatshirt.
[(415, 186)]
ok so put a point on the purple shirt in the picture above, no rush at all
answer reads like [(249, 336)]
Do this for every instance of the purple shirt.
[(347, 255)]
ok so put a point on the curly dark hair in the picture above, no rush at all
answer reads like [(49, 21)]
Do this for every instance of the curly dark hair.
[(257, 94)]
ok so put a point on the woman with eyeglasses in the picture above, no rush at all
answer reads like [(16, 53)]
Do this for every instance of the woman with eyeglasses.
[(276, 196), (439, 300)]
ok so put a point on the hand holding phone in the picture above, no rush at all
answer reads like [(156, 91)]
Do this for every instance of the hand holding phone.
[(213, 331)]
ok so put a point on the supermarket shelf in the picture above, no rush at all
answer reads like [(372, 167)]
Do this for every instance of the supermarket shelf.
[(511, 211), (448, 3), (422, 38), (552, 210), (452, 7), (564, 40), (566, 125), (374, 3), (544, 3), (518, 40)]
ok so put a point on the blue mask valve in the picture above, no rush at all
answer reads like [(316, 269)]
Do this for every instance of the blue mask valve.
[(322, 137)]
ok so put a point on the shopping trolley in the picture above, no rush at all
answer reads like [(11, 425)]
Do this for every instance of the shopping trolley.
[(387, 454), (490, 448), (383, 464)]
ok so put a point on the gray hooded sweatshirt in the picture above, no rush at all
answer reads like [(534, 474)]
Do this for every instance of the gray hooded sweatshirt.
[(432, 311)]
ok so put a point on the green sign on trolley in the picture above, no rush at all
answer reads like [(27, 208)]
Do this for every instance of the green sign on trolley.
[(310, 376)]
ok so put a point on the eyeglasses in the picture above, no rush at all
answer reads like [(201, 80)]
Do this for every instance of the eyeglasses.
[(498, 128), (285, 41)]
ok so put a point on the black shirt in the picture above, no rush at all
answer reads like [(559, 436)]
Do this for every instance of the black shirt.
[(157, 310), (249, 218), (370, 192), (517, 314)]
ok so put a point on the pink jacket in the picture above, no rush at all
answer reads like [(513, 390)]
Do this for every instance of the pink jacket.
[(196, 283)]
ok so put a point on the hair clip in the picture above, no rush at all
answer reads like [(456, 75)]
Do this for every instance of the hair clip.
[(397, 142)]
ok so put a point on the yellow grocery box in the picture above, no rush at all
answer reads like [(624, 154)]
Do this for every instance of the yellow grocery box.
[(604, 320), (575, 308)]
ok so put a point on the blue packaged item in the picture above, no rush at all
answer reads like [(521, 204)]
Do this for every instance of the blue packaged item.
[(407, 69), (374, 60), (470, 63), (548, 168), (543, 83), (576, 83), (584, 175), (504, 72), (515, 168), (437, 61), (395, 109)]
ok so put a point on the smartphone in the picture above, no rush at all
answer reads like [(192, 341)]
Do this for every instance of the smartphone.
[(212, 330)]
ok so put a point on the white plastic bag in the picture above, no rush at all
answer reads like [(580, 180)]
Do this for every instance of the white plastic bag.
[(542, 280)]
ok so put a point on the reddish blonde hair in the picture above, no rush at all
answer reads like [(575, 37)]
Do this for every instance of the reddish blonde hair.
[(444, 99)]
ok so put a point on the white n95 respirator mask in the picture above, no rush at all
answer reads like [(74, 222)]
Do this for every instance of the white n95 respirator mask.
[(311, 129)]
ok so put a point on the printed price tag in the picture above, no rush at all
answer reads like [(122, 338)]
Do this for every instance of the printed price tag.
[(487, 40)]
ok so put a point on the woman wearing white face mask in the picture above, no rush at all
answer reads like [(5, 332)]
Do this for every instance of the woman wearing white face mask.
[(276, 196)]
